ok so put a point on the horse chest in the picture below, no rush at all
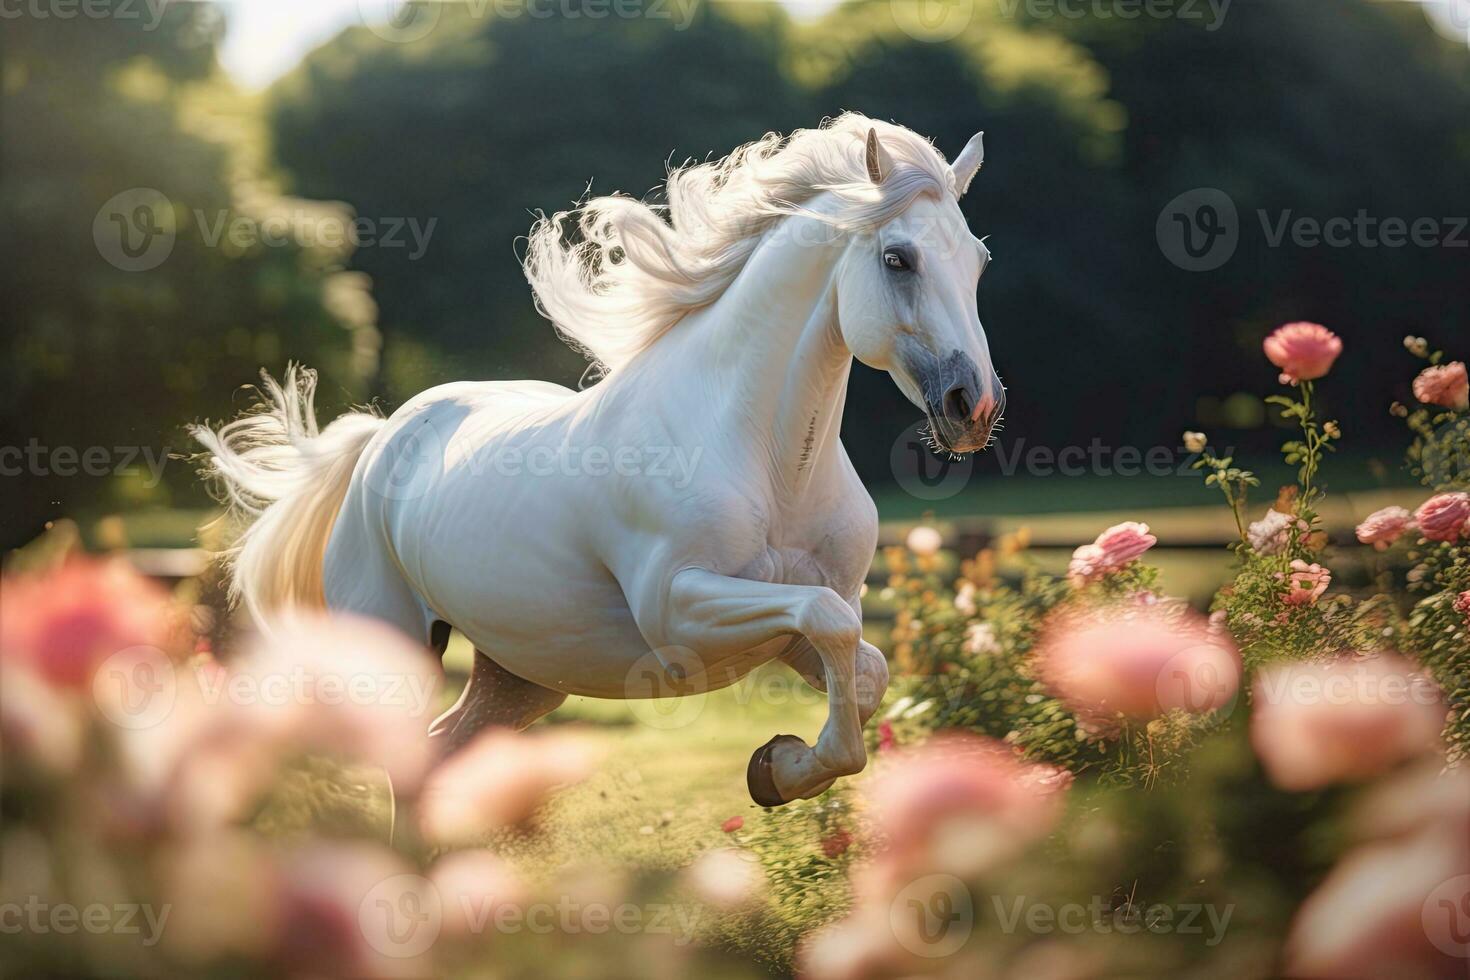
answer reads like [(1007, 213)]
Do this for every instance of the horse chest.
[(837, 556)]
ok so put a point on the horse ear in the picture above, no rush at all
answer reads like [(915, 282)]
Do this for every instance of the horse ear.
[(968, 163), (877, 159)]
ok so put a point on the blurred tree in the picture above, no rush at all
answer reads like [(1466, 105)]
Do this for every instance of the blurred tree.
[(130, 308), (486, 120)]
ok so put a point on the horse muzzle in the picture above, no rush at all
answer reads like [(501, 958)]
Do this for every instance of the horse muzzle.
[(964, 406)]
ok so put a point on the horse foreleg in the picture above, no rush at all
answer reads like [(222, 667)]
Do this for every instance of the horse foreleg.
[(492, 696), (723, 615), (872, 680)]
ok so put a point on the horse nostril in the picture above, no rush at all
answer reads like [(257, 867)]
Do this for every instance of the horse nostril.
[(958, 403)]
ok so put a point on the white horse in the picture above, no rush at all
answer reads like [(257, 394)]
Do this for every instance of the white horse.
[(691, 516)]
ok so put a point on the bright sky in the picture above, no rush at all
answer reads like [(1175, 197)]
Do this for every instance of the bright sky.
[(268, 37)]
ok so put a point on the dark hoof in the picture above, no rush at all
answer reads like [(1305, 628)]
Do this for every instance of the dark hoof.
[(758, 777)]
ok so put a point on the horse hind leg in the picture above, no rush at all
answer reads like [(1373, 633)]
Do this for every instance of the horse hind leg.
[(493, 696)]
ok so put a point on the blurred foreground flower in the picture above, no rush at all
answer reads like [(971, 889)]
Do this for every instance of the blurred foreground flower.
[(1303, 351), (498, 780), (68, 621), (726, 877), (473, 885), (342, 685), (1319, 723), (1140, 662), (959, 803), (1399, 904)]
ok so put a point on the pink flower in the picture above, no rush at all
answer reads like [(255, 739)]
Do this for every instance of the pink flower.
[(39, 724), (726, 878), (1462, 604), (1443, 517), (1272, 533), (1319, 723), (1140, 662), (836, 843), (1389, 909), (1384, 527), (331, 912), (68, 621), (473, 886), (1305, 583), (1113, 549), (498, 780), (732, 825), (341, 685), (957, 803), (1303, 351), (1445, 385), (887, 742)]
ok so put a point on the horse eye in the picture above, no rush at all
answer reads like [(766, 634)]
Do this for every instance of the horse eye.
[(894, 260)]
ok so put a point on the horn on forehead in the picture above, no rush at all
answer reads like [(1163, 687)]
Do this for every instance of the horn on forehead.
[(968, 163)]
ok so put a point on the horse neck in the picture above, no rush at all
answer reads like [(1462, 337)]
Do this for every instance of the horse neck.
[(772, 351)]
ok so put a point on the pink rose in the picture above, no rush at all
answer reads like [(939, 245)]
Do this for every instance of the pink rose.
[(1384, 527), (1390, 908), (473, 886), (499, 779), (1272, 534), (1462, 604), (1303, 351), (65, 623), (1305, 583), (1140, 662), (959, 803), (1113, 549), (1443, 517), (1315, 724), (1445, 385)]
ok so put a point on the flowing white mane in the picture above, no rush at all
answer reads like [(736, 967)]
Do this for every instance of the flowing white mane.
[(628, 274)]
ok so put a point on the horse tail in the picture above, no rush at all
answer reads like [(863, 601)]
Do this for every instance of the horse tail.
[(285, 480)]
